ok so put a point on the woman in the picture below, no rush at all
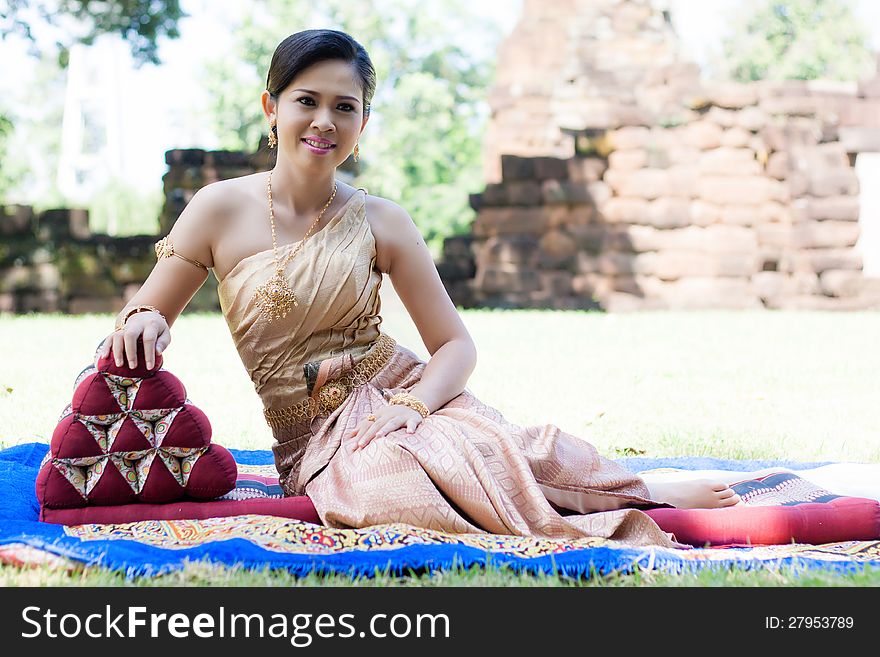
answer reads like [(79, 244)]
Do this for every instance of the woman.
[(367, 430)]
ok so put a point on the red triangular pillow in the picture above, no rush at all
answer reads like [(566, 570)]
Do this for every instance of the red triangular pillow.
[(130, 434)]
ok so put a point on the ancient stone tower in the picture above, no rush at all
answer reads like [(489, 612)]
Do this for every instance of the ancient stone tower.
[(618, 179)]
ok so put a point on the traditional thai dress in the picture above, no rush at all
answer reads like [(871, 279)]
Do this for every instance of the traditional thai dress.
[(464, 469)]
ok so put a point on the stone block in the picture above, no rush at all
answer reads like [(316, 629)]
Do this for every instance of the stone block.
[(508, 250), (780, 192), (636, 238), (736, 137), (671, 265), (768, 284), (790, 106), (724, 118), (825, 234), (615, 263), (778, 165), (17, 221), (752, 190), (774, 234), (859, 139), (702, 134), (39, 301), (586, 169), (558, 244), (644, 183), (586, 263), (628, 160), (557, 283), (589, 237), (494, 195), (459, 247), (526, 193), (727, 161), (841, 283), (834, 182), (16, 277), (514, 167), (44, 276), (669, 212), (696, 293), (732, 95), (683, 181), (564, 191), (719, 238), (751, 119), (495, 279), (741, 215), (820, 260), (798, 184), (620, 209), (511, 221), (599, 192), (629, 137), (703, 213), (550, 168), (837, 208), (7, 302)]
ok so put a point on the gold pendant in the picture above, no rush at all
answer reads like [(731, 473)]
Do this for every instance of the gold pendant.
[(275, 297)]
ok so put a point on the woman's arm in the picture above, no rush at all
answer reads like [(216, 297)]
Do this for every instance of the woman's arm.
[(453, 354), (417, 283), (170, 285)]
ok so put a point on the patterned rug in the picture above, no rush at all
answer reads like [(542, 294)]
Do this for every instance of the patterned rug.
[(252, 541)]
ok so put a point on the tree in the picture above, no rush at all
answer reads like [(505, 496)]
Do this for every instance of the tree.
[(799, 40), (139, 22), (422, 146)]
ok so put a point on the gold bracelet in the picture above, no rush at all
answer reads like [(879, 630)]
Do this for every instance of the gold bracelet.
[(120, 324), (411, 401)]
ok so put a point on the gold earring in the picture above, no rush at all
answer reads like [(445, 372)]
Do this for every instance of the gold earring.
[(357, 150), (273, 136)]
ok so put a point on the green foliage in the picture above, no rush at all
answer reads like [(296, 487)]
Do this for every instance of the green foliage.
[(11, 170), (422, 147), (119, 208), (799, 40), (139, 22)]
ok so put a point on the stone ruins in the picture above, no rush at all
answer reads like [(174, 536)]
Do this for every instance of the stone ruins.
[(618, 179)]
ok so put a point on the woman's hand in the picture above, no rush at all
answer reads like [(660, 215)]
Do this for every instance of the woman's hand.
[(147, 325), (388, 418)]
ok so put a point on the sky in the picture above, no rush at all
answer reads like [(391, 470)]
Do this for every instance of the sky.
[(165, 104)]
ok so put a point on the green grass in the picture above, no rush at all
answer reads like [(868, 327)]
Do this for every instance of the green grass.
[(741, 385)]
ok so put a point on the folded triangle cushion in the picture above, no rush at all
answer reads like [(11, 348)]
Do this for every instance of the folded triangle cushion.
[(131, 435)]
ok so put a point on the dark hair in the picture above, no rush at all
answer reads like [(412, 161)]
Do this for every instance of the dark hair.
[(299, 51)]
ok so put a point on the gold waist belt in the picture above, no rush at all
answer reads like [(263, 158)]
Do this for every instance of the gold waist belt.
[(333, 393)]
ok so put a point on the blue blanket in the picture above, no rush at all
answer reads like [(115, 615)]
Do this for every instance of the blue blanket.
[(154, 547)]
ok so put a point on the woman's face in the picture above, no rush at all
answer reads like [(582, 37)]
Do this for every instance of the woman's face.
[(323, 103)]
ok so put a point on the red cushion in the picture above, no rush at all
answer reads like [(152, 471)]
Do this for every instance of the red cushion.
[(841, 519), (131, 435), (295, 508)]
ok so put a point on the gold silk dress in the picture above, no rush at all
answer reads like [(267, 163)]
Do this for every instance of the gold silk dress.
[(464, 469)]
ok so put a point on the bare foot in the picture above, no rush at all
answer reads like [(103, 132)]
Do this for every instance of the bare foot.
[(694, 494)]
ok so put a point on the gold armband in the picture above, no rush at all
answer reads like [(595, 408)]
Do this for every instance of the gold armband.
[(410, 401), (165, 249)]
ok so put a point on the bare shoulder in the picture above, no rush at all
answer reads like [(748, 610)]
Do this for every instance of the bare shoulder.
[(206, 218), (392, 229)]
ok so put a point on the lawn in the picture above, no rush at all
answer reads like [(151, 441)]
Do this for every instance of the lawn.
[(740, 385)]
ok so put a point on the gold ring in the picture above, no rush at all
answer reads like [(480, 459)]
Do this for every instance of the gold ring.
[(371, 418)]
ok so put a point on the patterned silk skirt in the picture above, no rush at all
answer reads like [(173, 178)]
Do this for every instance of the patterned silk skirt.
[(465, 469)]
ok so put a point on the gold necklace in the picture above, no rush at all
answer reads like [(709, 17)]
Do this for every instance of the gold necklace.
[(275, 297)]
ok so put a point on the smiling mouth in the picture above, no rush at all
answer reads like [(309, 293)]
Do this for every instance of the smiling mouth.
[(317, 144)]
